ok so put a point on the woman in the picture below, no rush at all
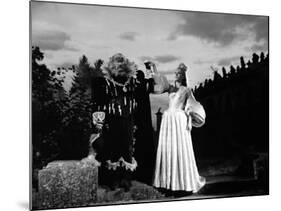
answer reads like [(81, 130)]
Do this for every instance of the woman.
[(176, 168)]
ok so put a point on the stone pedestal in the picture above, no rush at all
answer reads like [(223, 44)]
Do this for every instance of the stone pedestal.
[(68, 184)]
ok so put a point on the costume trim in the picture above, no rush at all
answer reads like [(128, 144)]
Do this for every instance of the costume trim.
[(129, 166), (112, 165), (94, 137)]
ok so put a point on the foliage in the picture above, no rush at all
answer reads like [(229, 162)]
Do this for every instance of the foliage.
[(61, 121), (48, 103), (257, 67), (77, 120)]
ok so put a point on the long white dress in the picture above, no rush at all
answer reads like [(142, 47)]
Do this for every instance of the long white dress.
[(175, 163)]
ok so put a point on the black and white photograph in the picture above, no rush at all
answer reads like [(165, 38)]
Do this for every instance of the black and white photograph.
[(134, 105)]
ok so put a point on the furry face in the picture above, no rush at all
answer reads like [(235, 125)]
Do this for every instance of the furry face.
[(119, 66)]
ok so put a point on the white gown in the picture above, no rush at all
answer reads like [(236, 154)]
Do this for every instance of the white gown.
[(175, 163)]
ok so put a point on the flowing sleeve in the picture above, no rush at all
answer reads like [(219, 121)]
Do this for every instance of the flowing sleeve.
[(195, 110), (161, 84)]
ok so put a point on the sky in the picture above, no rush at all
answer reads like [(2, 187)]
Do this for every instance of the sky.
[(65, 32)]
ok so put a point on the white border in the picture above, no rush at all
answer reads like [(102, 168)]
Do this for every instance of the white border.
[(14, 86)]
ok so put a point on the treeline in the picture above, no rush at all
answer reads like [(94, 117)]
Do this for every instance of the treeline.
[(241, 74)]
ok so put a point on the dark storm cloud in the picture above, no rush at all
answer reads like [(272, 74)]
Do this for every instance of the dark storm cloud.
[(144, 58), (52, 40), (261, 29), (221, 29), (161, 59), (131, 36), (228, 61), (166, 58), (70, 48), (259, 47)]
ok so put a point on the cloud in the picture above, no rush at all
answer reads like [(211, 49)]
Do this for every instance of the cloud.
[(52, 40), (200, 62), (166, 58), (228, 61), (259, 47), (70, 48), (221, 29), (130, 36), (48, 55), (261, 29), (161, 59), (66, 64), (144, 58)]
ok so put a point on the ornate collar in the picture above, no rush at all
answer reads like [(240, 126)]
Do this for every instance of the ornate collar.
[(120, 84)]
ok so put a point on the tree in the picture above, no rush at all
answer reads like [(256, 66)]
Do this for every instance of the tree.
[(97, 72), (47, 110), (224, 75), (83, 74), (262, 57), (242, 62), (77, 121), (217, 76), (232, 70), (255, 58)]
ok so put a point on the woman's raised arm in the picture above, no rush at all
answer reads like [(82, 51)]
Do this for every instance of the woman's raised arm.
[(161, 83)]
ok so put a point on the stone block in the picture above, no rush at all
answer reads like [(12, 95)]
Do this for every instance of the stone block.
[(68, 184)]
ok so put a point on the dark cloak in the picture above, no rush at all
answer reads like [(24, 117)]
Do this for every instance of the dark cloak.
[(145, 149)]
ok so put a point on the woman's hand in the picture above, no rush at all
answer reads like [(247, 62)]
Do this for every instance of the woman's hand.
[(161, 84), (154, 69)]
